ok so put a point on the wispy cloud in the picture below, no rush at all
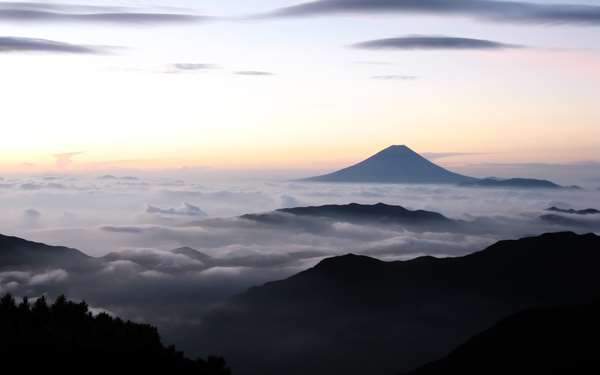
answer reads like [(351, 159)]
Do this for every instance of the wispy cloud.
[(488, 10), (394, 77), (10, 44), (185, 210), (189, 68), (432, 42), (444, 155), (64, 13), (253, 73), (194, 66), (64, 160)]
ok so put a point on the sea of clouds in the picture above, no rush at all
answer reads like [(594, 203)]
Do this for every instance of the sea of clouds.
[(171, 248)]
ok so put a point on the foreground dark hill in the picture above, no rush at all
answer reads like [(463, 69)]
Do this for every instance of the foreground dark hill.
[(65, 336), (16, 253), (559, 340), (395, 164), (357, 315)]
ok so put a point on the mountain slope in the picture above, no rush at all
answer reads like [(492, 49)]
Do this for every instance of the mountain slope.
[(17, 252), (358, 315), (395, 164), (401, 165), (66, 336), (539, 341)]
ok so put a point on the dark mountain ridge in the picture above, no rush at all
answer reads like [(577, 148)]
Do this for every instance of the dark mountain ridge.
[(523, 183), (357, 315), (16, 252), (66, 336), (554, 340), (379, 213), (588, 211)]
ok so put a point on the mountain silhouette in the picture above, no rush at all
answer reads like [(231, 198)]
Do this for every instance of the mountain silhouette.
[(523, 183), (379, 213), (568, 221), (557, 340), (66, 337), (395, 164), (16, 252), (193, 254), (401, 165), (587, 219), (355, 315), (588, 211)]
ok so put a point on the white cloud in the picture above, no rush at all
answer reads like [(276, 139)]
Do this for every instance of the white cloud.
[(54, 276), (186, 209), (145, 279)]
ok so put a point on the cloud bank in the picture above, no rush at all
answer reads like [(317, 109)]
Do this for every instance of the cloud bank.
[(10, 44), (423, 42), (169, 266), (22, 12), (185, 210), (191, 67), (253, 73), (485, 10)]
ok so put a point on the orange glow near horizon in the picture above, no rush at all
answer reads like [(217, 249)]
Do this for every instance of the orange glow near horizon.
[(155, 121)]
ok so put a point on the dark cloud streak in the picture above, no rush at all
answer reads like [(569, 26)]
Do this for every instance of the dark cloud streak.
[(422, 42), (10, 44), (62, 13), (489, 10)]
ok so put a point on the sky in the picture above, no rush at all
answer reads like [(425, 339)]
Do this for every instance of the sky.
[(130, 129), (281, 84)]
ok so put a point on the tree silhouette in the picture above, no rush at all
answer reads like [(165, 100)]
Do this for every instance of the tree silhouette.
[(66, 336)]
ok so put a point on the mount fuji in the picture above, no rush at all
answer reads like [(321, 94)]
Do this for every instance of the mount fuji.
[(399, 164), (395, 164)]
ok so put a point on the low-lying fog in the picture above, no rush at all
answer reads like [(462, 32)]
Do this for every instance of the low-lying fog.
[(140, 220)]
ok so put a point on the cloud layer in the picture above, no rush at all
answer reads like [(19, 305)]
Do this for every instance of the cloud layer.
[(19, 44), (253, 73), (186, 67), (169, 265), (487, 10), (395, 77), (425, 42), (185, 210), (63, 13)]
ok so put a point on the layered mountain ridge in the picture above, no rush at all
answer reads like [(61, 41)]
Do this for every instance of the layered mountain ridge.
[(356, 315)]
